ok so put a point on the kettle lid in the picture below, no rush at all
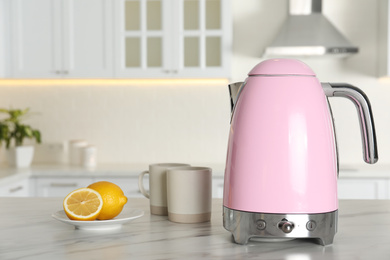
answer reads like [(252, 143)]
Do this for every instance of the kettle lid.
[(282, 67)]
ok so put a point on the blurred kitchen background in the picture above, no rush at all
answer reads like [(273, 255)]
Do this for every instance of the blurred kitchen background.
[(178, 120)]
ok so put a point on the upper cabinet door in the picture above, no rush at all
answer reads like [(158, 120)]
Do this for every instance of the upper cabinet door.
[(142, 34), (87, 39), (117, 39), (61, 39), (35, 38), (203, 43), (172, 38)]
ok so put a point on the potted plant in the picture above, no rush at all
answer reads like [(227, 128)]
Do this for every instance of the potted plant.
[(13, 133)]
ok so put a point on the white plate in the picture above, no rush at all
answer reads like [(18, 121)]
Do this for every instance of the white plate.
[(125, 216)]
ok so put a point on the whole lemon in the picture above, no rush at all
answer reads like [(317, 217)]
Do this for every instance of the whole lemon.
[(113, 199)]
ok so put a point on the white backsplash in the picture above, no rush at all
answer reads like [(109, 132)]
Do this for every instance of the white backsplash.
[(129, 123)]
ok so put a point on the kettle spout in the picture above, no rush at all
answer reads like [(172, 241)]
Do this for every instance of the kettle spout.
[(234, 90)]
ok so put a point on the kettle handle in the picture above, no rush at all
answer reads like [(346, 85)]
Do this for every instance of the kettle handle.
[(363, 106)]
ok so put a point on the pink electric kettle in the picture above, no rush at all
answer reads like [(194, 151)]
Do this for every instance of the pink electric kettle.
[(282, 165)]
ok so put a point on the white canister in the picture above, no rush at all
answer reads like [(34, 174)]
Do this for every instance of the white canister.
[(75, 147), (89, 156)]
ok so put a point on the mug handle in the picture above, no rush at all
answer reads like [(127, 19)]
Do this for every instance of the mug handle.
[(141, 184)]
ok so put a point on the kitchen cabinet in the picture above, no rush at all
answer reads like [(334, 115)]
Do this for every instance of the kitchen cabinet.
[(62, 186), (348, 188), (60, 38), (19, 188), (177, 38), (217, 187), (129, 185), (59, 180), (363, 188), (115, 39), (57, 187)]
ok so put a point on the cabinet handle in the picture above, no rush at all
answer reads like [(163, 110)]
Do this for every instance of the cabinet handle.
[(56, 184), (63, 72), (170, 71), (12, 190)]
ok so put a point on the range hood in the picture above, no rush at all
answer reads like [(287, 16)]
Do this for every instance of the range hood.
[(307, 32)]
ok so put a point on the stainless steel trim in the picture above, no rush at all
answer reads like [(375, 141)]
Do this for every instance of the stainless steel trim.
[(335, 138), (234, 92), (363, 106), (246, 225)]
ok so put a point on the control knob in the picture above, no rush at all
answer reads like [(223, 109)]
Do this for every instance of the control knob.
[(286, 226)]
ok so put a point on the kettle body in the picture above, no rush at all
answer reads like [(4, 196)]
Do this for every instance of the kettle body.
[(281, 151), (282, 166)]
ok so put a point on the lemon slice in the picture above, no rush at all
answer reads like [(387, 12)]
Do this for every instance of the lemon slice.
[(83, 204)]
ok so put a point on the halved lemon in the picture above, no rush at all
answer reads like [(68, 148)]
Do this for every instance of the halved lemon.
[(113, 199), (83, 204)]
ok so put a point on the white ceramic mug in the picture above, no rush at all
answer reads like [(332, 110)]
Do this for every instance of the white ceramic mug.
[(157, 186), (189, 194)]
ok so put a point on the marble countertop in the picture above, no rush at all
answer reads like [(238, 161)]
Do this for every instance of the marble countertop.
[(29, 232)]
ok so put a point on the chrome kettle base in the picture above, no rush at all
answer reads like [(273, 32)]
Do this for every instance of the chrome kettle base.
[(246, 225)]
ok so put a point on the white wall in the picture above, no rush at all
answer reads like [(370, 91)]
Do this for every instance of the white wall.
[(190, 123)]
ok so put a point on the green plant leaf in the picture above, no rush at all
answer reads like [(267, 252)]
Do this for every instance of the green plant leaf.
[(28, 132), (12, 129), (37, 136)]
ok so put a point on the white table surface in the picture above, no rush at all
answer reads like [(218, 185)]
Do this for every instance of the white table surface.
[(27, 231)]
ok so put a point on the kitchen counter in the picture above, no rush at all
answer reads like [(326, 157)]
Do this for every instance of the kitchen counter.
[(29, 232), (133, 169), (8, 174), (50, 180)]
